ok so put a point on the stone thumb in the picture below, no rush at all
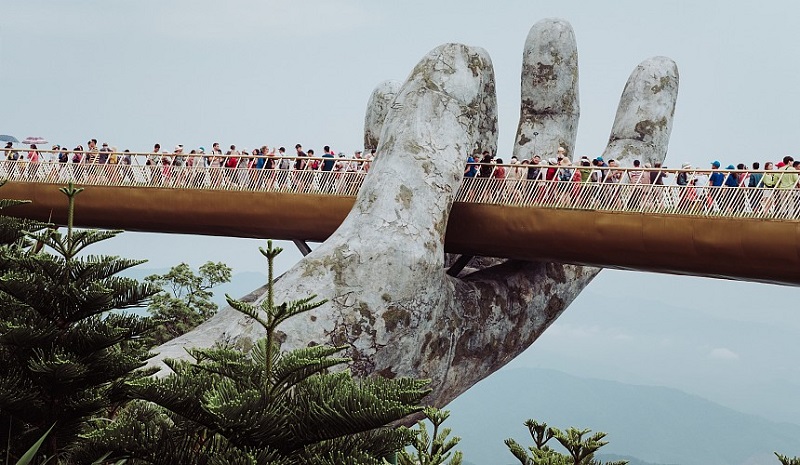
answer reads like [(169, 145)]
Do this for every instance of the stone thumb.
[(444, 111)]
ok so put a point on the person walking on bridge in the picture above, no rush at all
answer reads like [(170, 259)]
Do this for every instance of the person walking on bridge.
[(715, 182), (754, 188), (153, 162), (328, 162), (11, 157), (300, 163), (786, 186), (635, 177), (231, 163), (769, 180)]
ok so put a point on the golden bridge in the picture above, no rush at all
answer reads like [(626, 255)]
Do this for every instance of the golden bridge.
[(740, 233)]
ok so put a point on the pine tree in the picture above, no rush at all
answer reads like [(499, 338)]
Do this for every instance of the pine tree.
[(66, 352), (785, 460), (433, 449), (580, 450), (12, 230), (264, 406)]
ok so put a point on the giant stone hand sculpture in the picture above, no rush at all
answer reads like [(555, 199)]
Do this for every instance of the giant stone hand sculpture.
[(389, 297)]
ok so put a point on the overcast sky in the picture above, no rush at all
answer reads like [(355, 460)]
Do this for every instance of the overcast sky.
[(254, 72)]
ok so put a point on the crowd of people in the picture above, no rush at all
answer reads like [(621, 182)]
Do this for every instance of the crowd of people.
[(224, 168), (231, 167), (706, 188), (262, 157)]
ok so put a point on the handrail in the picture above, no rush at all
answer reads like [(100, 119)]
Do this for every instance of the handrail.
[(135, 156), (612, 190)]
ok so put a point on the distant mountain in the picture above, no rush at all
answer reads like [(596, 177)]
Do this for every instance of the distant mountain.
[(605, 458), (653, 424)]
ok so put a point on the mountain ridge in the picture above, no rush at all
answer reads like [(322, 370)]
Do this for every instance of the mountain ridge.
[(651, 423)]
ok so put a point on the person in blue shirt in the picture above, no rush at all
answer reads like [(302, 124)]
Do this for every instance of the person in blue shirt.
[(755, 185), (731, 180), (471, 169), (716, 178), (327, 164), (715, 181)]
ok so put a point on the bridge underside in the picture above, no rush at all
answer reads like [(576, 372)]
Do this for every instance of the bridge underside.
[(742, 249)]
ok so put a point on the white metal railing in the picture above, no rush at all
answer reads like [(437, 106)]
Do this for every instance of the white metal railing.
[(648, 190)]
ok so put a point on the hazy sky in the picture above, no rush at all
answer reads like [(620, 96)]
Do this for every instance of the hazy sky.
[(253, 72)]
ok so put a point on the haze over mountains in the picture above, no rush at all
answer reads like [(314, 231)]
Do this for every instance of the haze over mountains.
[(655, 424), (731, 342)]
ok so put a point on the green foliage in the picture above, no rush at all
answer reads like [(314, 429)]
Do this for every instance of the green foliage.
[(185, 299), (263, 407), (12, 230), (580, 449), (66, 355), (30, 454), (432, 449), (786, 460)]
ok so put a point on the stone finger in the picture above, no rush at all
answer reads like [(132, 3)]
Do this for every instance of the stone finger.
[(378, 106), (644, 117), (550, 106)]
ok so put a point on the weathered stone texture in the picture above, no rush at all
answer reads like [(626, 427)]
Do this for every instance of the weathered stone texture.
[(389, 298), (644, 117), (550, 103), (377, 108)]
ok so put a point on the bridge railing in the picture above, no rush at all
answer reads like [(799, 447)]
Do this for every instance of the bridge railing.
[(649, 190), (759, 202)]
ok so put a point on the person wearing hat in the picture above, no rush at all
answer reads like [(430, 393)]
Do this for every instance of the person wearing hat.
[(716, 178), (715, 181), (178, 158), (728, 197), (102, 157), (355, 164), (730, 178), (688, 194), (683, 176)]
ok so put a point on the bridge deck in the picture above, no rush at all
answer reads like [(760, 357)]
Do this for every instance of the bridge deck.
[(594, 228)]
